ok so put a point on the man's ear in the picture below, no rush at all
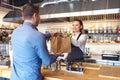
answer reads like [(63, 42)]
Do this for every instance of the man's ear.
[(34, 17)]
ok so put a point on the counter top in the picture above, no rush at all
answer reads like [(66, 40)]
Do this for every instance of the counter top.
[(64, 75), (90, 73)]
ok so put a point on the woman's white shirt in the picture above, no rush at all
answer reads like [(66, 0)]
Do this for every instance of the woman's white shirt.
[(80, 42)]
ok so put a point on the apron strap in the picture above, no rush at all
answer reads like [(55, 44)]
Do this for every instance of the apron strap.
[(79, 35)]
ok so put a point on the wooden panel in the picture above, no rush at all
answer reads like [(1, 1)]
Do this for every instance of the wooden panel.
[(91, 65), (90, 73), (0, 72), (113, 71), (5, 73)]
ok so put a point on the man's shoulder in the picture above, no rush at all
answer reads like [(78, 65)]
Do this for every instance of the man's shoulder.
[(38, 35), (16, 29)]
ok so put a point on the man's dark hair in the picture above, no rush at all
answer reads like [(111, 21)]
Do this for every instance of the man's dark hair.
[(29, 9)]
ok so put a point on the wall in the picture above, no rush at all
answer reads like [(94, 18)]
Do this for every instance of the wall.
[(44, 26), (87, 24), (100, 48), (95, 48)]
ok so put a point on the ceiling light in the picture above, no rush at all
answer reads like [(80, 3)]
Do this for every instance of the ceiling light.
[(93, 0)]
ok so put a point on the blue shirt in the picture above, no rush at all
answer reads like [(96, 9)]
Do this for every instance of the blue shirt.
[(29, 52)]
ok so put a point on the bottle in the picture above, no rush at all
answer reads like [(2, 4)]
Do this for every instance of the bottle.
[(105, 28), (97, 31), (54, 66), (118, 29), (100, 30), (11, 54), (109, 29)]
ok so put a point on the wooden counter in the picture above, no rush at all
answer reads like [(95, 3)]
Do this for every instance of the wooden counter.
[(5, 72), (91, 72)]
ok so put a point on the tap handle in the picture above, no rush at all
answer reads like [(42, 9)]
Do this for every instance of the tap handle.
[(58, 65), (68, 66)]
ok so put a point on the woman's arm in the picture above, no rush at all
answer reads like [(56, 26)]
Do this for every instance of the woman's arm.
[(81, 41)]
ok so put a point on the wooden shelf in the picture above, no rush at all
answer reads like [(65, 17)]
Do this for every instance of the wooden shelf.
[(103, 43), (6, 28)]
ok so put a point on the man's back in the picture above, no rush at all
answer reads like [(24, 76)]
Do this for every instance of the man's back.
[(29, 49)]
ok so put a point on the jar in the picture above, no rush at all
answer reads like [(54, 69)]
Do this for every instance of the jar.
[(97, 30), (101, 39), (93, 30), (113, 30), (101, 30), (118, 38)]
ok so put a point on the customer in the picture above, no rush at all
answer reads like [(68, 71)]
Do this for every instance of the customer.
[(29, 47), (78, 40)]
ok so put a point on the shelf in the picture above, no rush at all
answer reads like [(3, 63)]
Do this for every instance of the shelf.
[(102, 43), (6, 28), (103, 33)]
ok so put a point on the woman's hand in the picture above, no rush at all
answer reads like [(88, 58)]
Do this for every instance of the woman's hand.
[(65, 34), (59, 53)]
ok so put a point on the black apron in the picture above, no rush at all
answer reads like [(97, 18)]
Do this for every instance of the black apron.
[(76, 54)]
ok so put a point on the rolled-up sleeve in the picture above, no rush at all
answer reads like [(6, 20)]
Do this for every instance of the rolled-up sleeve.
[(80, 41)]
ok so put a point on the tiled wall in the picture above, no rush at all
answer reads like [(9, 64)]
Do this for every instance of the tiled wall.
[(106, 48), (97, 49)]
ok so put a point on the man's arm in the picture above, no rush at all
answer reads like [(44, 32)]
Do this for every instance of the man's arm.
[(42, 51)]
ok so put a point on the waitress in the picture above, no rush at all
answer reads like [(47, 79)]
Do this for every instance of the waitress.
[(78, 41)]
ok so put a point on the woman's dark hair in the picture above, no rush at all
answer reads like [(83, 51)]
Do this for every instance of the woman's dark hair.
[(80, 21), (29, 9)]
